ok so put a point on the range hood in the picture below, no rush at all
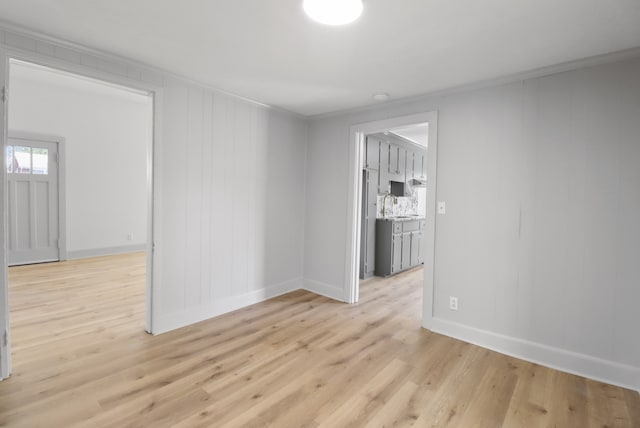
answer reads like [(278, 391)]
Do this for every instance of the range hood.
[(417, 182)]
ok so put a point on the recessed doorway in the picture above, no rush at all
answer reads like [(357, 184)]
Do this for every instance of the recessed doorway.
[(79, 216), (392, 203)]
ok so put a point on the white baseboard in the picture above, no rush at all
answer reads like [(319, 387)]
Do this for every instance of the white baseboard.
[(222, 306), (109, 251), (325, 290), (549, 356)]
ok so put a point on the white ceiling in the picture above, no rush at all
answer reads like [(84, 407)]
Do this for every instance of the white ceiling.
[(268, 50), (419, 134)]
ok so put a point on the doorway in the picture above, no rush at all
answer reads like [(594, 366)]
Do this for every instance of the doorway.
[(407, 171), (393, 219), (49, 211)]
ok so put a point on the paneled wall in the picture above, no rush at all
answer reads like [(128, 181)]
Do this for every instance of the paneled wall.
[(229, 188), (232, 203), (541, 240)]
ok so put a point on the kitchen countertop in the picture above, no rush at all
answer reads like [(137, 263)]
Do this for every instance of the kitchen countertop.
[(407, 218)]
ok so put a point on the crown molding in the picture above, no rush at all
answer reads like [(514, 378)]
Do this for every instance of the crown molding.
[(591, 61), (38, 36)]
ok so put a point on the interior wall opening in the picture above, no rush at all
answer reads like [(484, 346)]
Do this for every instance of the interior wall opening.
[(366, 202), (78, 212), (393, 204)]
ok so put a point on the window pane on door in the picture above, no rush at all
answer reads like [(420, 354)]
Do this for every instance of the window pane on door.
[(40, 161), (22, 160), (9, 159)]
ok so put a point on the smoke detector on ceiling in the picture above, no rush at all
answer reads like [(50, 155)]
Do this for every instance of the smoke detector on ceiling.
[(381, 96)]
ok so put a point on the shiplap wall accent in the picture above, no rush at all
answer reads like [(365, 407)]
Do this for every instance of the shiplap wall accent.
[(229, 178), (236, 174), (541, 239)]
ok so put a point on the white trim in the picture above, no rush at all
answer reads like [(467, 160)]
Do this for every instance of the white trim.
[(223, 306), (62, 199), (354, 198), (5, 347), (81, 71), (29, 34), (81, 77), (592, 61), (155, 92), (79, 49), (154, 213), (8, 53), (571, 362), (326, 290), (430, 242), (62, 184), (107, 251), (137, 86), (352, 241)]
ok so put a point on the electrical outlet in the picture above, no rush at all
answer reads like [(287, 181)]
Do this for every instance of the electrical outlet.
[(442, 208), (453, 303), (130, 236)]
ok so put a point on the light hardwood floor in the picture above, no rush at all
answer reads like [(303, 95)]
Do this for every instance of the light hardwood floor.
[(81, 358)]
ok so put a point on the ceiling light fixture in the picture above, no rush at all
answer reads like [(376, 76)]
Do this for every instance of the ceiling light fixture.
[(333, 12)]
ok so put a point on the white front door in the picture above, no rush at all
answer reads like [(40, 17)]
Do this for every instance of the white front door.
[(32, 172)]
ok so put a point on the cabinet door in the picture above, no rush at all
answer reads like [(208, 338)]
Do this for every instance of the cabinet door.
[(370, 219), (410, 165), (416, 239), (383, 179), (396, 253), (402, 162), (393, 158), (372, 159), (370, 262), (406, 250)]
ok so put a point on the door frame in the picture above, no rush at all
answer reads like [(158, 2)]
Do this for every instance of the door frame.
[(62, 191), (153, 162), (354, 204)]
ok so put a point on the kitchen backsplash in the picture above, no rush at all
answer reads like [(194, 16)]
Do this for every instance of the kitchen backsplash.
[(404, 206)]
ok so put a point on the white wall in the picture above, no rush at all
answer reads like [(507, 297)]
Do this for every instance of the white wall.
[(106, 131), (229, 181), (541, 240), (561, 150), (232, 203)]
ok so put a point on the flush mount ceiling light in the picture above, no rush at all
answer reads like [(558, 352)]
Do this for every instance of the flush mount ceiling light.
[(333, 12)]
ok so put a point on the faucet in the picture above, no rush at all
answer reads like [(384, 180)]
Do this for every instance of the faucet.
[(384, 202)]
